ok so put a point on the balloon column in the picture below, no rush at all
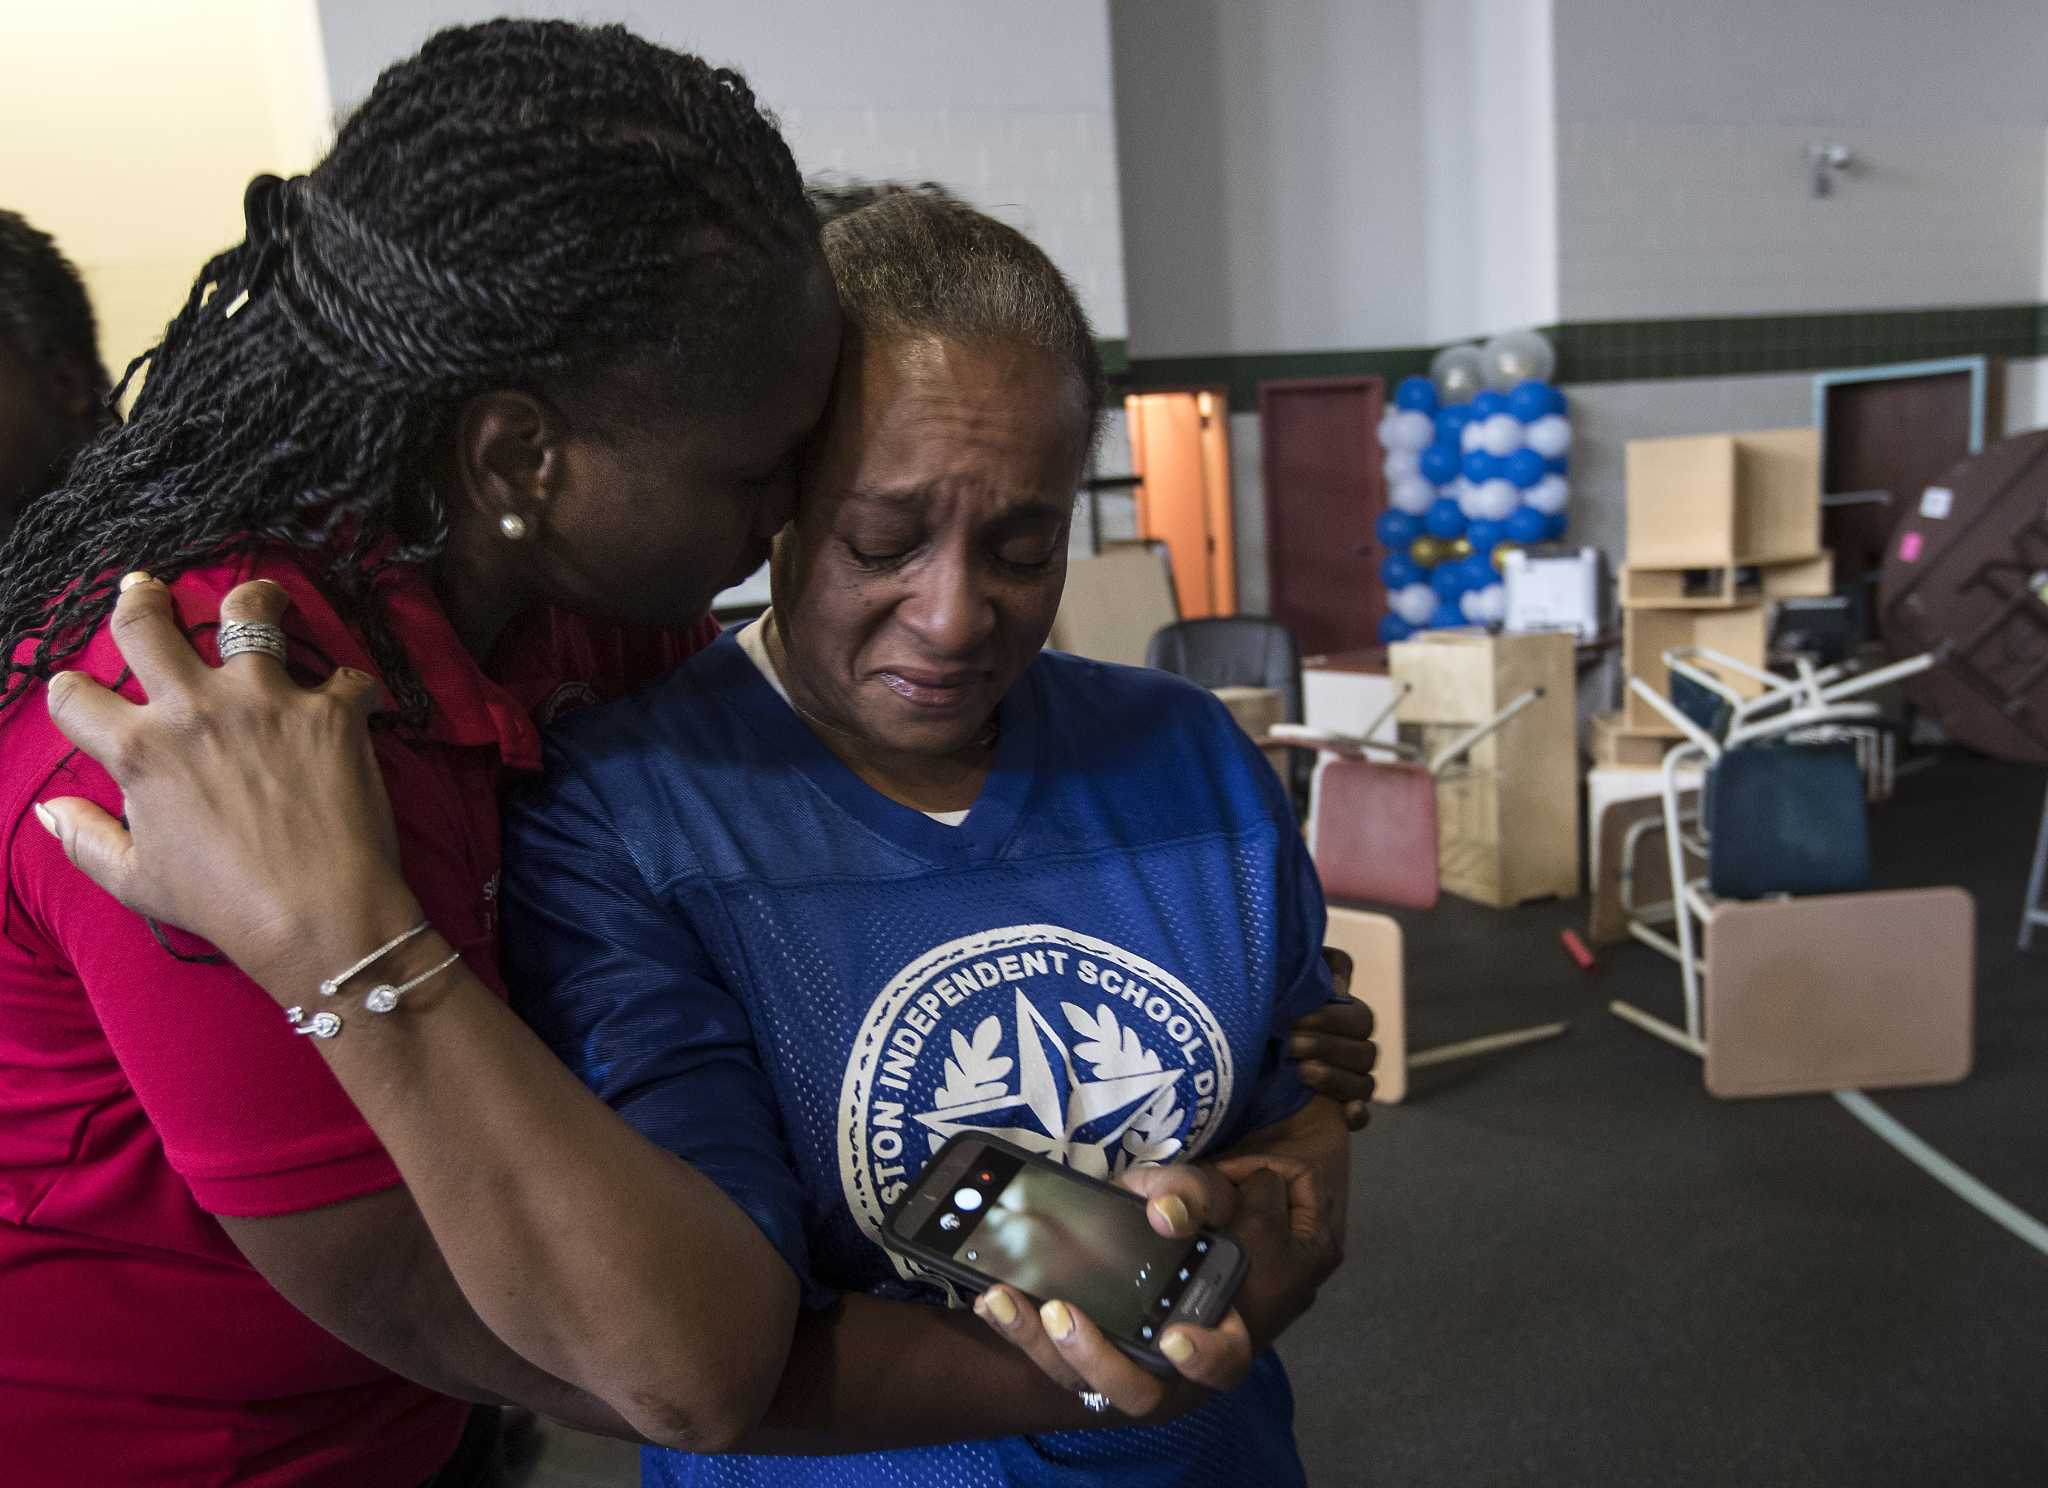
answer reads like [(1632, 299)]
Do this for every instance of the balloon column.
[(1475, 466)]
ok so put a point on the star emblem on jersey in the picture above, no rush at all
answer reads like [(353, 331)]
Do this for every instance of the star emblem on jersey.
[(1063, 1043), (1077, 1114)]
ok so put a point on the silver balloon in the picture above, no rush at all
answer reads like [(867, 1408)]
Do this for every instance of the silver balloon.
[(1518, 356), (1459, 372)]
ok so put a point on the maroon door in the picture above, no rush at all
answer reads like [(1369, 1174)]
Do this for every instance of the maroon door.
[(1324, 490), (1894, 435)]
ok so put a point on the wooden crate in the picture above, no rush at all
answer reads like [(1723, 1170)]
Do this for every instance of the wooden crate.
[(1724, 500), (1647, 588), (1508, 824), (1647, 634)]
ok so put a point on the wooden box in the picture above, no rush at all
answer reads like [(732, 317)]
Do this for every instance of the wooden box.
[(1724, 500), (1647, 634), (1256, 710), (1508, 819), (1645, 588), (1615, 747)]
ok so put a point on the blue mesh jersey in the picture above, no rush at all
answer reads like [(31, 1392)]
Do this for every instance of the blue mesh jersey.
[(803, 988)]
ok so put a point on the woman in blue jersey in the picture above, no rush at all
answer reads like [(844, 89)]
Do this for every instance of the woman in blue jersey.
[(878, 869)]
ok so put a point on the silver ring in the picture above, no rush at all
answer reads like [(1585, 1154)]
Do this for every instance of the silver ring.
[(1094, 1400), (239, 636)]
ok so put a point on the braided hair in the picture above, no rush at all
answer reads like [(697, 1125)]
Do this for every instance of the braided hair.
[(44, 310), (521, 199)]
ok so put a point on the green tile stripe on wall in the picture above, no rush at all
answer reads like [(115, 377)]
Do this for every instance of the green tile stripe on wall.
[(1650, 350)]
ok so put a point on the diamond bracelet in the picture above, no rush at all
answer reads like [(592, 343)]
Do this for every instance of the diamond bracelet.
[(383, 997)]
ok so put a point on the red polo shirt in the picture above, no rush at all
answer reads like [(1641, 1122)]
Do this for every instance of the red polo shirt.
[(141, 1094)]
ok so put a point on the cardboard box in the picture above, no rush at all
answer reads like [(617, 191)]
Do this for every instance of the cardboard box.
[(1724, 500)]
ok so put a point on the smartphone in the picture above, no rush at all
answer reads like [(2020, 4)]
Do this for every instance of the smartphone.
[(986, 1211)]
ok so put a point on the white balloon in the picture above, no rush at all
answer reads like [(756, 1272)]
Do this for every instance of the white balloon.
[(1413, 495), (1496, 499), (1501, 434), (1401, 465), (1458, 372), (1408, 429), (1468, 438), (1548, 495), (1518, 356), (1468, 498), (1486, 606), (1415, 604), (1550, 436)]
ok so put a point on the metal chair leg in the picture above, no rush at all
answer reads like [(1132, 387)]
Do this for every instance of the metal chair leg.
[(2032, 913)]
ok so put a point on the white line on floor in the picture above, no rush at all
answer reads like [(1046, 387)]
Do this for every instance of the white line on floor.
[(1944, 1172)]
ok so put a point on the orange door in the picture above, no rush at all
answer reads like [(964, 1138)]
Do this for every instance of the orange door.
[(1180, 450)]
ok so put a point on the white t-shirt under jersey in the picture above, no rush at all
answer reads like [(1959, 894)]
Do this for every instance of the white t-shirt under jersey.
[(753, 641)]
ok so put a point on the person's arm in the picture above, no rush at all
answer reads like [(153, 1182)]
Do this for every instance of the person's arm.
[(368, 1271), (257, 820)]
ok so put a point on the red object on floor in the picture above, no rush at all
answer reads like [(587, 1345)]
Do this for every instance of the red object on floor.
[(1576, 948)]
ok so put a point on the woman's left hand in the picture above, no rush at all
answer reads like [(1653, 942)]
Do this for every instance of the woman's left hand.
[(1335, 1047), (1066, 1345)]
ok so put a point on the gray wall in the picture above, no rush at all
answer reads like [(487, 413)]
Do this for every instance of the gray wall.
[(1273, 178), (1009, 104), (1683, 187)]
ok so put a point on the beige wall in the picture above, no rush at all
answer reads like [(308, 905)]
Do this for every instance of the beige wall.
[(128, 129)]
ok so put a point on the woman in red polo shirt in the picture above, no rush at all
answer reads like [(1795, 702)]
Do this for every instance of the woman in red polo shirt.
[(538, 339)]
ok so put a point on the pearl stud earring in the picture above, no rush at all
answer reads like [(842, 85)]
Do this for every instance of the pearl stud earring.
[(512, 525)]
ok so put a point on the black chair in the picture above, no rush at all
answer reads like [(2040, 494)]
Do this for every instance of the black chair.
[(1238, 651)]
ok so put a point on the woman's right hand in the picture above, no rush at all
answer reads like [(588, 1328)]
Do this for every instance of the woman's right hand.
[(1271, 1205), (256, 814)]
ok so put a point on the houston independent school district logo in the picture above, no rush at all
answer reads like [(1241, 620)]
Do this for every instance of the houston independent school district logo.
[(1062, 1043)]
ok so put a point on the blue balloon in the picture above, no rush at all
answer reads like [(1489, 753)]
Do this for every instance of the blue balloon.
[(1488, 403), (1479, 571), (1527, 525), (1443, 519), (1557, 466), (1524, 468), (1447, 616), (1448, 579), (1396, 529), (1480, 466), (1554, 525), (1418, 393), (1398, 571), (1483, 534), (1530, 401), (1451, 421), (1393, 628), (1440, 464)]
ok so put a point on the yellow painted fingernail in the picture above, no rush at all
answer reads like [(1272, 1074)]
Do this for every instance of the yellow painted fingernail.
[(47, 817), (130, 580), (1172, 1210), (1002, 1309), (1058, 1321), (1178, 1347)]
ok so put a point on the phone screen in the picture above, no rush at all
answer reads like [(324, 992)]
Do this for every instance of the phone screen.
[(1049, 1234)]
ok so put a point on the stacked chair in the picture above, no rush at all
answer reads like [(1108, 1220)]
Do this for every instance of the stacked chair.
[(1372, 831), (1796, 976)]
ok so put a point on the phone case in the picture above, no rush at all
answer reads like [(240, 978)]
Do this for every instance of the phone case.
[(974, 1283)]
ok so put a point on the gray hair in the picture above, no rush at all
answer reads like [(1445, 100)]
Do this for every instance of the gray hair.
[(918, 261)]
